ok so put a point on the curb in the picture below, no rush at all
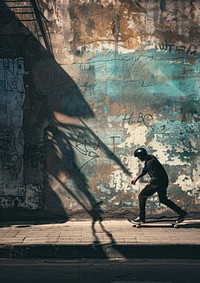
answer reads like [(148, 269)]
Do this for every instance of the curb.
[(107, 251)]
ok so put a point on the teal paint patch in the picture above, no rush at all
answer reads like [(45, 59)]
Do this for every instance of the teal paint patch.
[(129, 203), (176, 133), (103, 189), (166, 74), (164, 83)]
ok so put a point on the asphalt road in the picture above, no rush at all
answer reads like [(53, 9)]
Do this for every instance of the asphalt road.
[(99, 271)]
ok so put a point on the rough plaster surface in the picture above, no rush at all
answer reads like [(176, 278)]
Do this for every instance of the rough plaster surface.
[(125, 74)]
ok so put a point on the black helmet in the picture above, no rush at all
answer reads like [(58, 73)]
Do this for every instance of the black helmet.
[(140, 152)]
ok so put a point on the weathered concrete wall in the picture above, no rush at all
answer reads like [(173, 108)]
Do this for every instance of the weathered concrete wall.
[(125, 74)]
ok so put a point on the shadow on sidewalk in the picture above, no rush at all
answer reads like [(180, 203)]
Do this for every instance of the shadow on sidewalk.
[(191, 225)]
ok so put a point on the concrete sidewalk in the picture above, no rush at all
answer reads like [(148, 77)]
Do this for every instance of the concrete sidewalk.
[(108, 239)]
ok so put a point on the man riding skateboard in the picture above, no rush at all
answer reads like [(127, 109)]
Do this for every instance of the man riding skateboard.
[(158, 183)]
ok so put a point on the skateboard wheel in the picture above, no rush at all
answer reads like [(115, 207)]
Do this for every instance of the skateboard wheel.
[(176, 226), (137, 225)]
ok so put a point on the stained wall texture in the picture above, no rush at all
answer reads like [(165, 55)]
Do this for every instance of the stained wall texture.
[(123, 74)]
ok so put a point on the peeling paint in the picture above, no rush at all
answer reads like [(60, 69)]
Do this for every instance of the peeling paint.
[(125, 74)]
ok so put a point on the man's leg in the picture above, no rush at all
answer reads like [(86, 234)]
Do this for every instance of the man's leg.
[(148, 191), (162, 194)]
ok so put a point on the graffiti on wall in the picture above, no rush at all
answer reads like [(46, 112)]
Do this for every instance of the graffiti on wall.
[(12, 95)]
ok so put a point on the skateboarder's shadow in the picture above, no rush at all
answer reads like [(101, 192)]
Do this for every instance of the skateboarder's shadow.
[(190, 225)]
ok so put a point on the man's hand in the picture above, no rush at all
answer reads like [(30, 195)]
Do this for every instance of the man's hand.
[(133, 182)]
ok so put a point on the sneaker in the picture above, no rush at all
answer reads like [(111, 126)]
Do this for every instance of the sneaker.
[(181, 217), (137, 220)]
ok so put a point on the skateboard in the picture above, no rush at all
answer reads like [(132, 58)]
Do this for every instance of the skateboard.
[(148, 223)]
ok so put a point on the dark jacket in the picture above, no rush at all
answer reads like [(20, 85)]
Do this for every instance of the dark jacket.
[(155, 170)]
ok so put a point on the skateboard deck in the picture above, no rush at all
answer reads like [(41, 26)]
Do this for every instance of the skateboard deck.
[(156, 222)]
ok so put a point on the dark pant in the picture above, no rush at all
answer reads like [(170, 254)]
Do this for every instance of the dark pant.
[(151, 189)]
